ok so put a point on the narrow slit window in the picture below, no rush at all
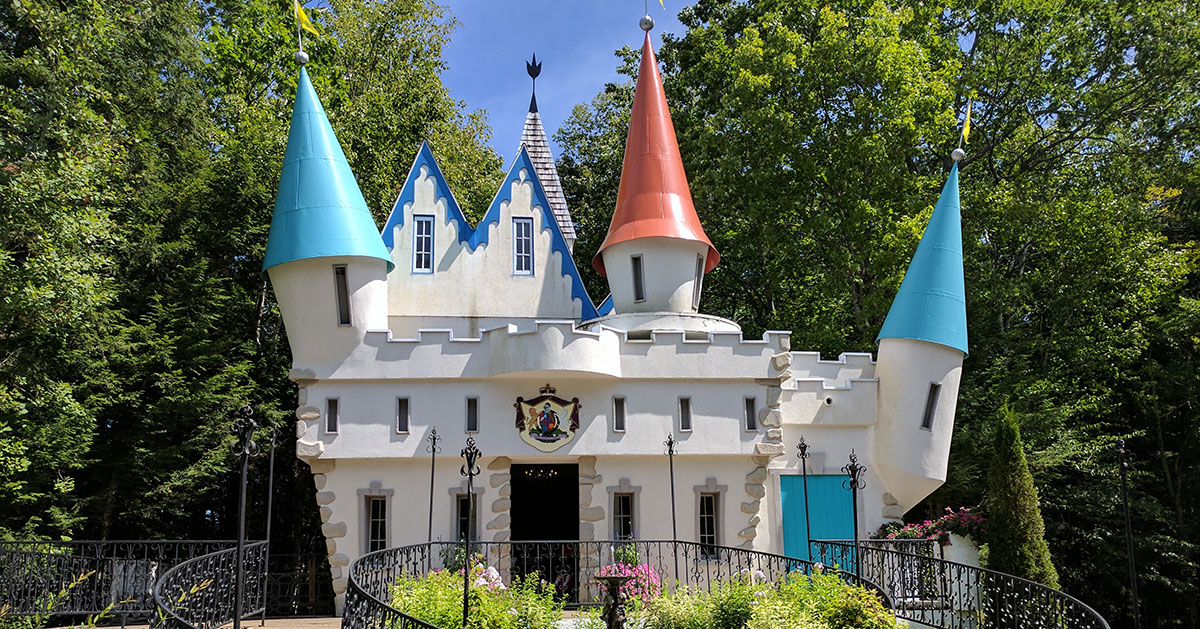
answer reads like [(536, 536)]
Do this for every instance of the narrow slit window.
[(685, 413), (422, 244), (522, 246), (622, 516), (698, 284), (931, 405), (751, 413), (639, 285), (708, 523), (619, 413), (331, 415), (376, 523), (466, 516), (342, 289), (402, 415), (472, 414)]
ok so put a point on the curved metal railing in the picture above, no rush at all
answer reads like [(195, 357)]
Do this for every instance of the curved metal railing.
[(84, 578), (570, 565), (949, 595), (201, 593)]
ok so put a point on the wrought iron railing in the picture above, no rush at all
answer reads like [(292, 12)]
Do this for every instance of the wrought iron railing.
[(948, 595), (117, 576), (572, 566), (200, 593)]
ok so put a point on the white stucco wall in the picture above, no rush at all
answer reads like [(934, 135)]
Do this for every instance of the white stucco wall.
[(478, 282), (668, 268)]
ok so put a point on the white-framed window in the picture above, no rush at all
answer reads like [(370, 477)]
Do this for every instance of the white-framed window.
[(639, 279), (522, 246), (422, 244), (699, 283), (685, 413), (402, 415), (376, 523), (341, 289), (619, 413), (751, 413), (931, 405), (708, 521), (331, 415), (622, 510), (472, 414)]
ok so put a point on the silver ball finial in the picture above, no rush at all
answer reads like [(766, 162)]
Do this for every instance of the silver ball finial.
[(301, 57), (958, 155), (646, 23)]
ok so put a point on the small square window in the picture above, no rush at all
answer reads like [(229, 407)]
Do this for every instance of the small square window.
[(685, 413), (751, 413), (402, 414), (331, 415), (619, 413), (472, 414)]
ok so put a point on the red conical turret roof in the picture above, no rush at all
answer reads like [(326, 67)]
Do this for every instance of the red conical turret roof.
[(654, 200)]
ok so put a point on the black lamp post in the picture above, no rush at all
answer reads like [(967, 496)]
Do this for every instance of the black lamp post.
[(1123, 458), (854, 482), (433, 449), (803, 454), (469, 469), (670, 443), (273, 435), (244, 447)]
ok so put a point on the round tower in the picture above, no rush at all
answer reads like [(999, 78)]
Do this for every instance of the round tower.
[(325, 258), (921, 349), (656, 252)]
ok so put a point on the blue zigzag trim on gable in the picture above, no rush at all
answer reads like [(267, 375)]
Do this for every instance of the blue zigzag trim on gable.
[(475, 236), (606, 307)]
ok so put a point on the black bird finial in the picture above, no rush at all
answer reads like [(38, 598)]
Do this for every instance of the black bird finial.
[(534, 69)]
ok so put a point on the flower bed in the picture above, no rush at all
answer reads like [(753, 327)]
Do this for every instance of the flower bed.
[(961, 522), (437, 599)]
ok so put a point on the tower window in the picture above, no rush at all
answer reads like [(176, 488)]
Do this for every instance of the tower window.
[(619, 413), (931, 405), (472, 414), (751, 413), (342, 290), (402, 415), (622, 516), (708, 523), (376, 523), (331, 415), (522, 246), (685, 413), (639, 283), (698, 284), (422, 244)]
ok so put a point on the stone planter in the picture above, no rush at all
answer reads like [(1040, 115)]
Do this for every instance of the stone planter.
[(961, 550)]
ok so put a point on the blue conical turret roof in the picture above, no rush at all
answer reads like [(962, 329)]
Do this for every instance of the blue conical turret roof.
[(319, 210), (931, 304)]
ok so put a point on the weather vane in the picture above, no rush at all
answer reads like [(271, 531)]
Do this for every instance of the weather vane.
[(534, 68)]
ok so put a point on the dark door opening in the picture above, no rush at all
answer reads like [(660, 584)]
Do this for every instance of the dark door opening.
[(545, 508)]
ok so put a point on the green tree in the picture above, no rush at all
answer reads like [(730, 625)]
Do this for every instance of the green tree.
[(1016, 533)]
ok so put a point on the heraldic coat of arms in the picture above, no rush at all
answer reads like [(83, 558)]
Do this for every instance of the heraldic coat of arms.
[(547, 422)]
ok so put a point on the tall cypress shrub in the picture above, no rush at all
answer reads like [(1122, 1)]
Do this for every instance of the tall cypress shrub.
[(1017, 535)]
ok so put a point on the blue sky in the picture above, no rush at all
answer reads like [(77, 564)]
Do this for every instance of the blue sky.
[(574, 40)]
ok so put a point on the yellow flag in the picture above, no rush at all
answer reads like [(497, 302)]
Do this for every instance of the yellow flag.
[(967, 125), (661, 4), (302, 19)]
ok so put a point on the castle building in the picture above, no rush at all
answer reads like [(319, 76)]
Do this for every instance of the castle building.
[(486, 331)]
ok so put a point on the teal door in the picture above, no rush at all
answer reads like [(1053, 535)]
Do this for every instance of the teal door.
[(829, 510)]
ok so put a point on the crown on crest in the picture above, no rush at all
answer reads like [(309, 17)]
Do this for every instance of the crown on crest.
[(547, 390)]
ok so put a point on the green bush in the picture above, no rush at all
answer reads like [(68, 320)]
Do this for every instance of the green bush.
[(437, 599), (681, 609)]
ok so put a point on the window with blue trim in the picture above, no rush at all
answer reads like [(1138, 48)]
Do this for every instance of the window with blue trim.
[(422, 244), (522, 246)]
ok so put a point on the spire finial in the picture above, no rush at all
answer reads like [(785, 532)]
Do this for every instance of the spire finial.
[(958, 154), (646, 23), (534, 68), (301, 57)]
